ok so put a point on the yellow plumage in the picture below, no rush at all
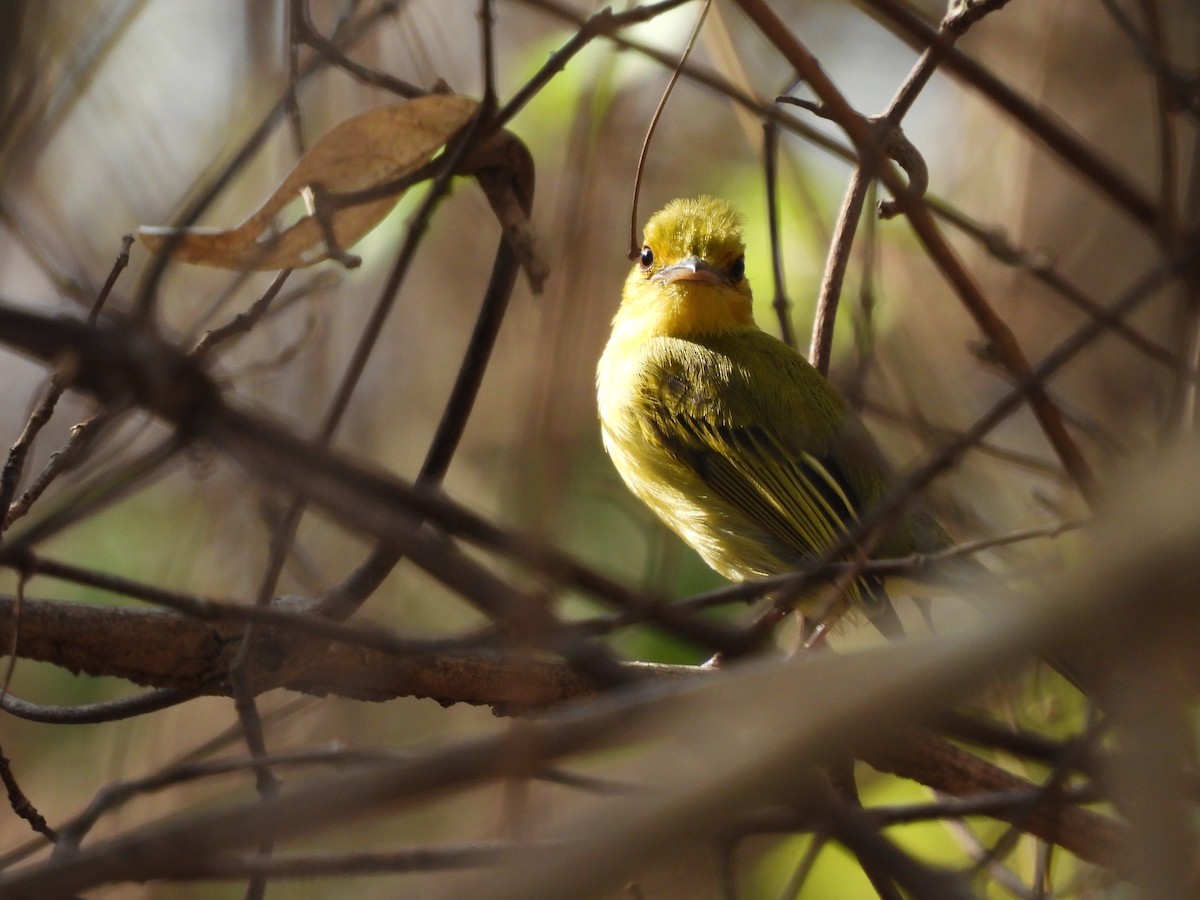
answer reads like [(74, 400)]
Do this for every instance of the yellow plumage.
[(725, 432)]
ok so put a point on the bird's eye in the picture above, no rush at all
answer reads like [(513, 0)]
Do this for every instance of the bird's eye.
[(738, 269), (647, 258)]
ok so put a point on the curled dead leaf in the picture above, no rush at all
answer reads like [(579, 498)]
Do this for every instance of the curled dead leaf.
[(359, 153)]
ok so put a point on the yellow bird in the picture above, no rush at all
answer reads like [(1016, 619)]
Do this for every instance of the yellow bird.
[(728, 434)]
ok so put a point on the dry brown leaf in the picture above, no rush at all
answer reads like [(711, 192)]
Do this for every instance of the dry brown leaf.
[(358, 153)]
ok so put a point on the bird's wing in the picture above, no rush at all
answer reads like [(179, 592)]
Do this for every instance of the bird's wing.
[(707, 413), (786, 483), (795, 497)]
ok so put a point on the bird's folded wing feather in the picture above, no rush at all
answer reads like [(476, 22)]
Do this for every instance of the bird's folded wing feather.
[(803, 500), (785, 481)]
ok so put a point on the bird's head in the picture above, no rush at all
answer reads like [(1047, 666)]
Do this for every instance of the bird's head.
[(690, 278)]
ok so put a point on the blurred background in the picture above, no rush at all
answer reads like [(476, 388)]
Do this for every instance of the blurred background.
[(115, 114)]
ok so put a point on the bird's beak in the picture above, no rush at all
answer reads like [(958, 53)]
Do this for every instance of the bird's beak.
[(693, 268)]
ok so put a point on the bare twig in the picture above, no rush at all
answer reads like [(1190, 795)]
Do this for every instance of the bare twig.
[(650, 129), (14, 466), (993, 326), (1046, 128), (781, 304)]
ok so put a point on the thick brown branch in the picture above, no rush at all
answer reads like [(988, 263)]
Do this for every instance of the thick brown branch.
[(161, 649)]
